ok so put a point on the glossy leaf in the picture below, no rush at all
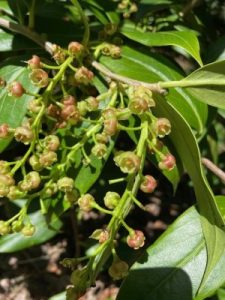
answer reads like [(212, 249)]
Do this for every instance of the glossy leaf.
[(159, 274), (210, 81), (186, 40), (44, 231), (187, 149), (153, 68), (13, 110)]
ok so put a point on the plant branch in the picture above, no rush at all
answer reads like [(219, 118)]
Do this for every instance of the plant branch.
[(155, 87), (213, 168), (23, 30)]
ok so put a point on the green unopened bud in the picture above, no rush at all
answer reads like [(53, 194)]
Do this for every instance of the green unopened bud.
[(34, 106), (110, 28), (119, 269), (47, 158), (4, 167), (92, 104), (99, 150), (71, 196), (34, 162), (28, 230), (115, 51), (6, 181), (79, 278), (24, 134), (5, 228), (111, 200), (82, 107), (50, 190), (86, 202), (15, 193), (102, 138), (128, 162), (65, 184), (138, 105), (102, 235), (17, 226)]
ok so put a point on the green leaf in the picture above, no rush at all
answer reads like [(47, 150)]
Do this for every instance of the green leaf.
[(188, 151), (153, 68), (159, 274), (13, 110), (186, 40), (208, 84), (44, 231)]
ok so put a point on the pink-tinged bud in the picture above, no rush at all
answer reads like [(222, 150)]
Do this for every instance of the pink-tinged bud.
[(110, 127), (136, 239), (51, 142), (39, 78), (28, 230), (86, 202), (4, 228), (70, 113), (109, 113), (111, 200), (16, 89), (47, 158), (99, 150), (2, 83), (4, 167), (53, 111), (24, 134), (102, 235), (138, 105), (128, 162), (69, 100), (4, 131), (168, 162), (75, 48), (65, 184), (162, 127), (149, 184), (119, 269), (83, 75), (34, 62)]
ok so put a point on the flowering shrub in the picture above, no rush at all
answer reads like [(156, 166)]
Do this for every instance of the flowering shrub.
[(68, 104)]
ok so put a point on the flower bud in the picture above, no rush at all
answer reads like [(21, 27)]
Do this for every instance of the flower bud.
[(69, 100), (4, 228), (149, 184), (71, 196), (39, 77), (102, 235), (111, 200), (110, 127), (128, 162), (138, 105), (53, 111), (75, 48), (6, 181), (50, 190), (4, 131), (4, 167), (162, 127), (17, 226), (15, 193), (34, 62), (70, 113), (65, 184), (24, 134), (119, 269), (86, 202), (102, 138), (115, 52), (110, 28), (34, 106), (51, 142), (2, 83), (136, 239), (47, 158), (34, 162), (99, 150), (59, 54), (168, 162), (92, 104), (28, 230), (83, 75), (16, 89), (31, 181), (82, 107)]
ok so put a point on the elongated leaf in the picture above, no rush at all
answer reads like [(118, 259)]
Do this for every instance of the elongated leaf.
[(187, 149), (16, 241), (13, 110), (159, 274), (138, 65), (186, 40), (211, 84)]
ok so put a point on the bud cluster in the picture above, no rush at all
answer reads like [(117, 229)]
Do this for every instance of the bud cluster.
[(127, 7)]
